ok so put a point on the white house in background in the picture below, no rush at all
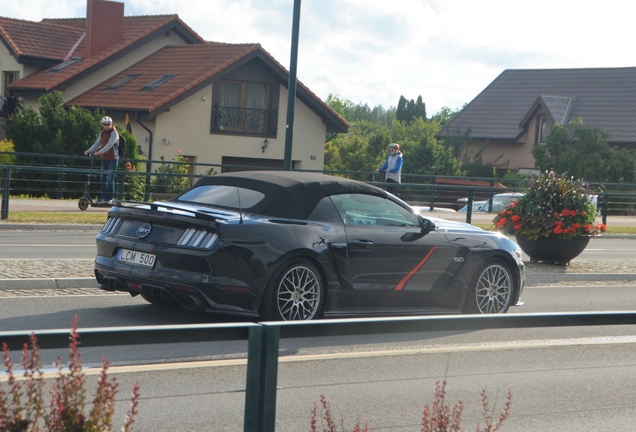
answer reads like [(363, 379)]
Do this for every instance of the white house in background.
[(215, 102)]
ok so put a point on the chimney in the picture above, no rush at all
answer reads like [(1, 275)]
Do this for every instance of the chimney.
[(104, 25)]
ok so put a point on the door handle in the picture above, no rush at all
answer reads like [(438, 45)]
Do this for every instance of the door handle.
[(363, 242)]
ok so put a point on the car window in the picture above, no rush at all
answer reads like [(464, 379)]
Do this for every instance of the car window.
[(325, 211), (361, 209), (222, 196)]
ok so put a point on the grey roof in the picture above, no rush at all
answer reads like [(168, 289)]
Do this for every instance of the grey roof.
[(559, 108), (602, 97)]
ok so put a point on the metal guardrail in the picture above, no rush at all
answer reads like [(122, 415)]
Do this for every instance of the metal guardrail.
[(264, 338)]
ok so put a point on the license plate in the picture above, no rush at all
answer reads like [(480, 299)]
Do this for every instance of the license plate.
[(136, 258)]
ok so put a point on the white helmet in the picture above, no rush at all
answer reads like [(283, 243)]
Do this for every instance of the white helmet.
[(107, 120)]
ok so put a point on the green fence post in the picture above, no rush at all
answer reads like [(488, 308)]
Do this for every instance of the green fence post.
[(59, 192), (120, 184), (147, 188), (4, 213), (262, 375), (469, 205)]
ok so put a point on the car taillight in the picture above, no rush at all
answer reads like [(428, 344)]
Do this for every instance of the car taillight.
[(111, 226), (198, 239)]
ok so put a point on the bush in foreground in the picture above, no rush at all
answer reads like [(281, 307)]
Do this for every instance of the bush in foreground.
[(22, 405), (437, 417)]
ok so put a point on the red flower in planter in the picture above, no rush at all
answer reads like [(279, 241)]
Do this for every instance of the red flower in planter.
[(502, 222)]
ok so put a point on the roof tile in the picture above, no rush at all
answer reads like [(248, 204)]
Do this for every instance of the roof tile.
[(33, 39), (604, 98), (193, 64), (135, 28)]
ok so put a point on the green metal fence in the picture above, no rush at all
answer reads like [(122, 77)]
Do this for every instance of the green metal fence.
[(66, 176), (264, 338)]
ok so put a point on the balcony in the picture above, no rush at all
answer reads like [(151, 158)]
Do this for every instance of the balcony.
[(245, 120)]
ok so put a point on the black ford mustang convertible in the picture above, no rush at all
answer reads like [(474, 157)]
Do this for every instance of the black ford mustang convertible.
[(300, 246)]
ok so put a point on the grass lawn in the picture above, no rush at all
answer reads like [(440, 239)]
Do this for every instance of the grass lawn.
[(57, 217)]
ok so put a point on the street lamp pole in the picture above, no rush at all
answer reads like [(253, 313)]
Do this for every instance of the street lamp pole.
[(291, 89)]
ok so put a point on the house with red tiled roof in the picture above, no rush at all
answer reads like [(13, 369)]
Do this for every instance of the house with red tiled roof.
[(215, 102), (518, 110)]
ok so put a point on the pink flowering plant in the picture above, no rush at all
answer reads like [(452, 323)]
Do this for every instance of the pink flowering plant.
[(552, 205)]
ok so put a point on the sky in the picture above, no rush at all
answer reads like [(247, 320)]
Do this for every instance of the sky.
[(374, 51)]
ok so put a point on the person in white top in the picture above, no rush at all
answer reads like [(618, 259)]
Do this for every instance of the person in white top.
[(392, 167)]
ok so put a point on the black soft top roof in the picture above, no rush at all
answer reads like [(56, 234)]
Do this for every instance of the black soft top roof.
[(289, 194)]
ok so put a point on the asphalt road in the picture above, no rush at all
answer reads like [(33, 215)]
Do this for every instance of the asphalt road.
[(47, 244), (564, 379)]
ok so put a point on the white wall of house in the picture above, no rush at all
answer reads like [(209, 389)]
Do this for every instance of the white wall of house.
[(517, 155), (309, 134), (186, 127), (8, 64)]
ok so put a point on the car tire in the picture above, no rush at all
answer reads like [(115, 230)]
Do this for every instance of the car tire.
[(157, 300), (490, 290), (294, 293)]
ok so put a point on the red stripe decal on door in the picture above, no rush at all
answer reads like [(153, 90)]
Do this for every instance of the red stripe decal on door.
[(408, 277)]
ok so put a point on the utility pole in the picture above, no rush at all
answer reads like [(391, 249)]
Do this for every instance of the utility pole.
[(291, 89)]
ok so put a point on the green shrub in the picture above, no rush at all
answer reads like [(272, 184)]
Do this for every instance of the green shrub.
[(178, 180), (6, 146)]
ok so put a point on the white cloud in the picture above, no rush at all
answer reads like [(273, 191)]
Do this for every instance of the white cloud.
[(373, 51)]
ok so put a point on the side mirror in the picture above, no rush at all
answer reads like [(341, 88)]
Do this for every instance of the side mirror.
[(427, 226)]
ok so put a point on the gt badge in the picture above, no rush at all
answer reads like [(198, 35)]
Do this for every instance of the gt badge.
[(458, 259), (144, 230)]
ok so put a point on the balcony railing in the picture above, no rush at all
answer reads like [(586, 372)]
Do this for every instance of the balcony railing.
[(248, 120)]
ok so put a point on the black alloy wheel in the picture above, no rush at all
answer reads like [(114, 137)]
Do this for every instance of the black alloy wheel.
[(490, 291), (295, 293)]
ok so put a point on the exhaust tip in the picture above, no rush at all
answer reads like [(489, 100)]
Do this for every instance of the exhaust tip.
[(194, 301)]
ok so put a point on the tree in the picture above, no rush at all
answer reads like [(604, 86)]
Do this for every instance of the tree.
[(401, 113), (582, 151), (420, 108), (445, 115), (410, 110), (54, 130), (422, 153), (362, 112), (364, 148)]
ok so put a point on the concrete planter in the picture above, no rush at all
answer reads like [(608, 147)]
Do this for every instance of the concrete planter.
[(553, 249)]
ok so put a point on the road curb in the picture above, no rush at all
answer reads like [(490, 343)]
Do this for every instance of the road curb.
[(47, 283), (536, 278)]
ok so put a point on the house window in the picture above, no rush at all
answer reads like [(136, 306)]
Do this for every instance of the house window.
[(545, 128), (64, 65), (159, 81), (8, 78), (244, 107), (125, 80)]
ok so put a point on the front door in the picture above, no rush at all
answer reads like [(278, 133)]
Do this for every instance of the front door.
[(391, 262)]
